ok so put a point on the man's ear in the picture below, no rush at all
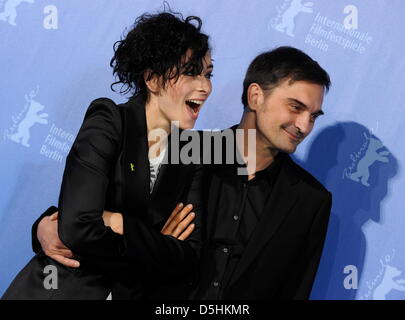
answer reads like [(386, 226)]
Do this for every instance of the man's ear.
[(255, 96), (153, 83)]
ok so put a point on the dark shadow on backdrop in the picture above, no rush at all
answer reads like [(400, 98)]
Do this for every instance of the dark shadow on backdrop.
[(356, 167)]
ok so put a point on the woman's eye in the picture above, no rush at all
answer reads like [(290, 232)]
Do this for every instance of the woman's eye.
[(209, 75)]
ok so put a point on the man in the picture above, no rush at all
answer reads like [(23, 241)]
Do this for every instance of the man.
[(265, 231)]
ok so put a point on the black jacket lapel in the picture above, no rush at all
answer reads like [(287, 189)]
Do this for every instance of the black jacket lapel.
[(283, 198), (169, 185), (136, 164)]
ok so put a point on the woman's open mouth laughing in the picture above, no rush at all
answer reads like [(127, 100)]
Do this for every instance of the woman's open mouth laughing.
[(194, 106)]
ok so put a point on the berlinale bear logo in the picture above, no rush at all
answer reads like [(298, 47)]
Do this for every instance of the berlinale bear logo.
[(284, 22), (388, 283), (372, 155), (9, 13), (32, 116)]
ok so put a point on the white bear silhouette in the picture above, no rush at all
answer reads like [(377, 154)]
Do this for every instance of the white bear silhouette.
[(388, 283), (287, 21), (23, 130), (372, 155), (10, 10)]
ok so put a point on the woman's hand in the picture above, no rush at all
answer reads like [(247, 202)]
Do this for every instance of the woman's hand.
[(52, 246), (179, 223), (114, 221)]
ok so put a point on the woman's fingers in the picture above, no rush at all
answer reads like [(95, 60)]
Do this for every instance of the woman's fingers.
[(107, 218), (117, 223), (187, 232), (182, 225), (175, 211), (178, 218), (114, 220)]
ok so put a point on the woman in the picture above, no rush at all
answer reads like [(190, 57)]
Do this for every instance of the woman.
[(165, 61)]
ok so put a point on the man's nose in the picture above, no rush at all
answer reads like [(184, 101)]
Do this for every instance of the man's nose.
[(304, 124)]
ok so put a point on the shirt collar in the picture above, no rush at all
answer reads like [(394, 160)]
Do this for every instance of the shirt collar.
[(270, 171)]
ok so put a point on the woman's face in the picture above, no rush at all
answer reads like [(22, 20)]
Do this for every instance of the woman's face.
[(183, 99)]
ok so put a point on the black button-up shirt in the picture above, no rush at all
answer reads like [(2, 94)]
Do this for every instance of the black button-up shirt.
[(240, 207)]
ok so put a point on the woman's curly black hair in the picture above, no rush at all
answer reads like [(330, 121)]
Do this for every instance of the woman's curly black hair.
[(157, 44)]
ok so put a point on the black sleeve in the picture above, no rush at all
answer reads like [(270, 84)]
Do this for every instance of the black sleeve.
[(85, 180), (301, 282), (82, 198), (166, 256), (36, 246)]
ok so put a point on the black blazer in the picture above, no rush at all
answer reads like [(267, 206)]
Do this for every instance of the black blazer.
[(282, 256), (108, 168)]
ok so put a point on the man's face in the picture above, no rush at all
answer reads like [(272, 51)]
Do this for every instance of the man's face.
[(286, 115)]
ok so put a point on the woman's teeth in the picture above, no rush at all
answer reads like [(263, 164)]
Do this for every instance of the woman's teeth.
[(199, 102)]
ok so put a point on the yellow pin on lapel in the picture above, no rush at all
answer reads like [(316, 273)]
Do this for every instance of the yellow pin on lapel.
[(132, 166)]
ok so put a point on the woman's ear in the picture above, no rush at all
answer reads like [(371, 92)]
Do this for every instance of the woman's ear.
[(152, 82), (255, 96)]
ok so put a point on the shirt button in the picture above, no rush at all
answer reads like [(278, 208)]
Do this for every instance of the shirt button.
[(216, 284), (225, 250), (235, 218)]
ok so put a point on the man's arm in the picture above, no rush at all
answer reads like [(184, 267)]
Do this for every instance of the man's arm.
[(179, 225)]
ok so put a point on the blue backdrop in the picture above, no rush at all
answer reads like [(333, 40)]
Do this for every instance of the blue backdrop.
[(55, 60)]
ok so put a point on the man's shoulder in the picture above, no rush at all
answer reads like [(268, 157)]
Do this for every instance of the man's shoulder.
[(307, 178)]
